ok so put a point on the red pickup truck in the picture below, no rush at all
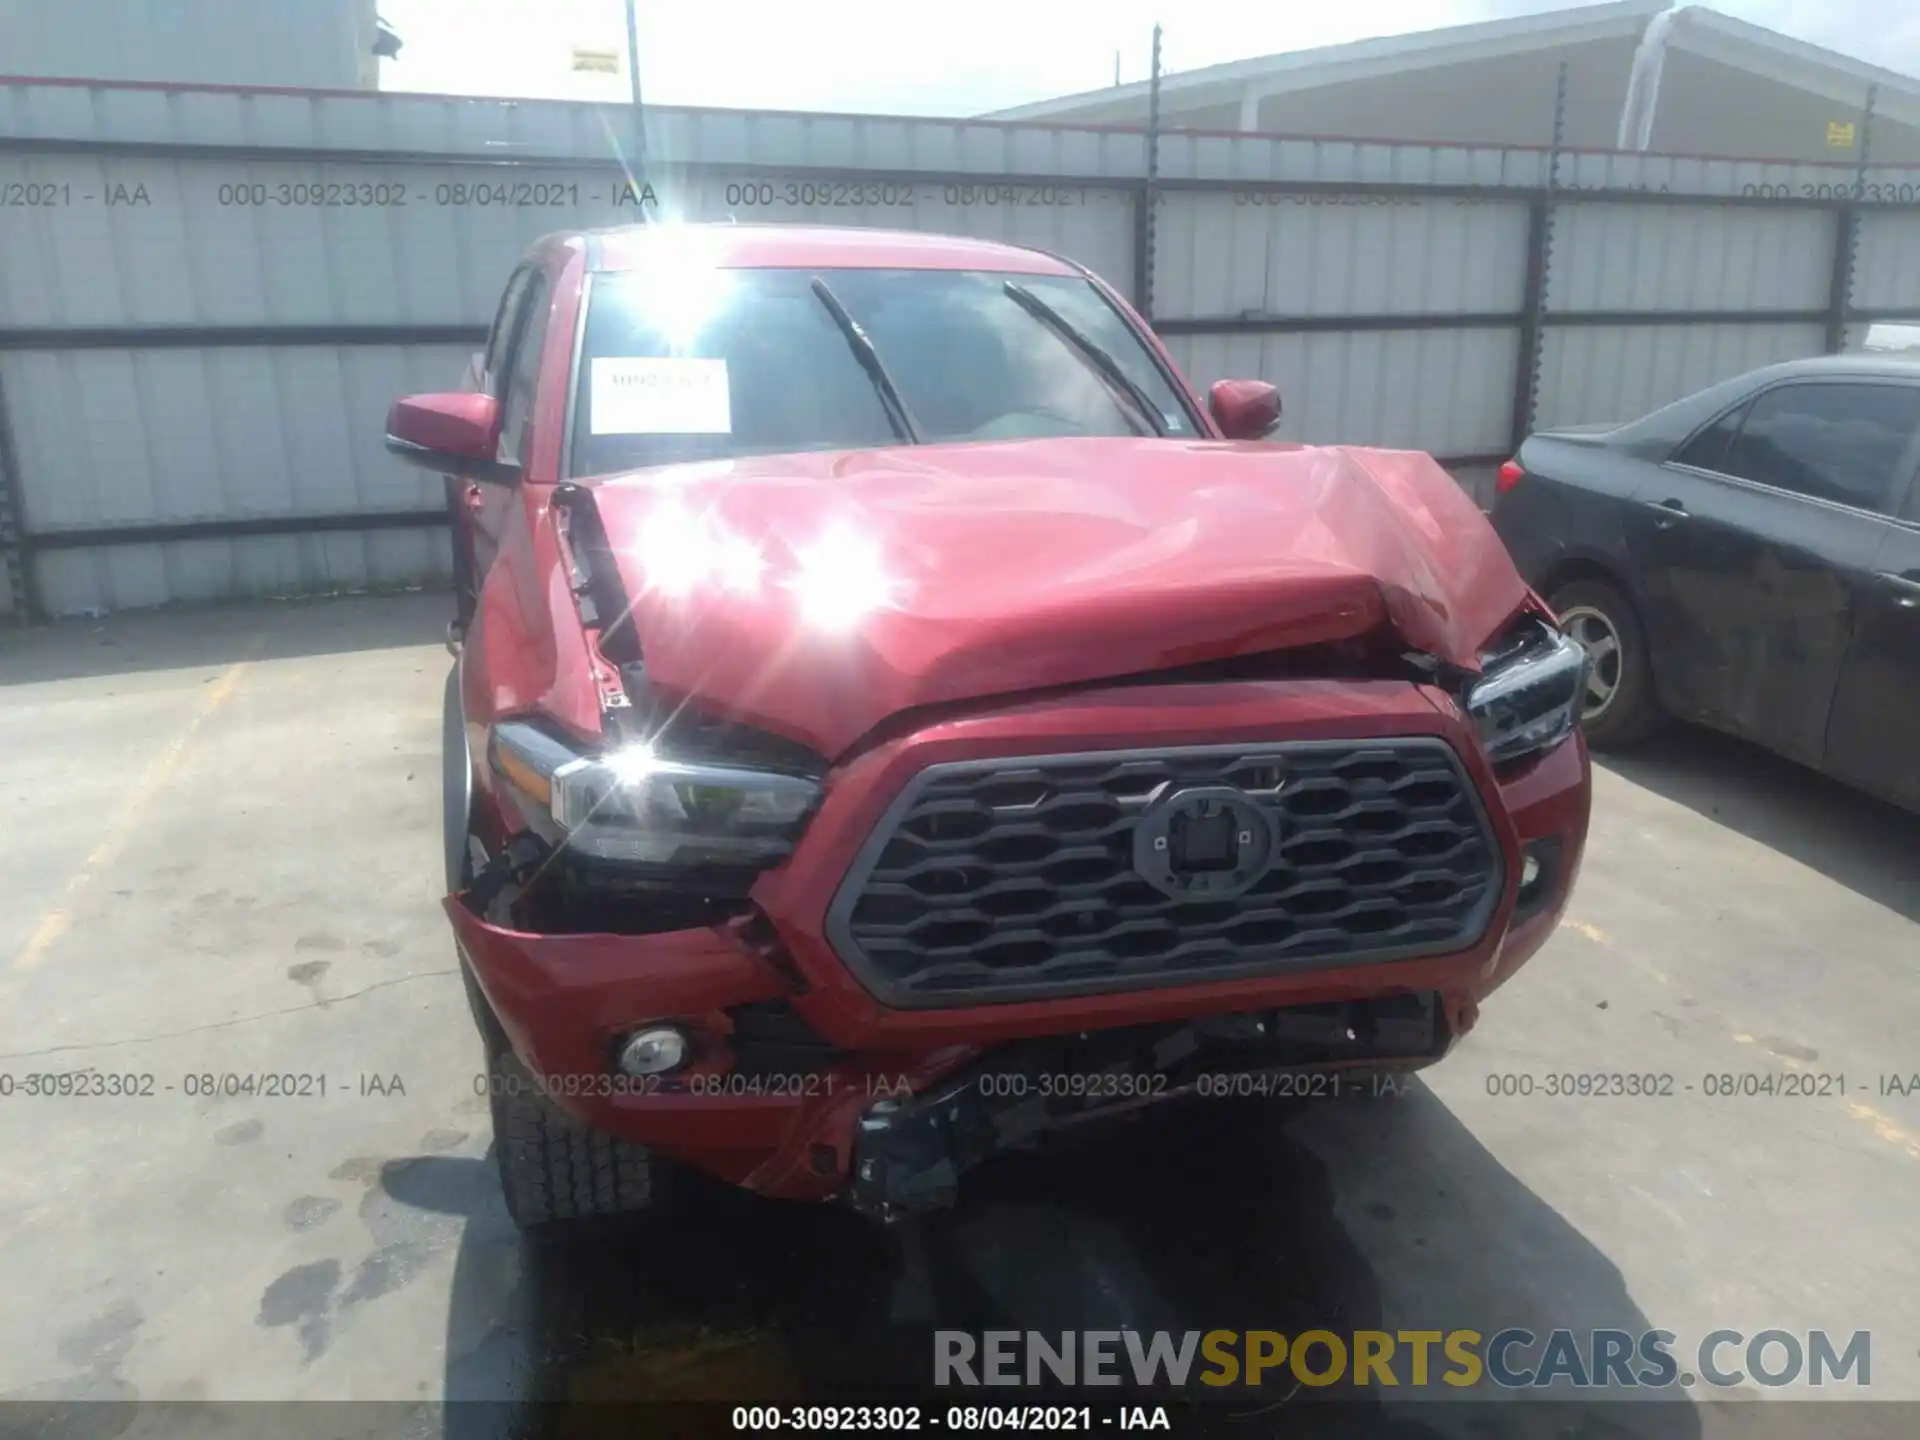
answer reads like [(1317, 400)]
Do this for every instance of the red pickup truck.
[(895, 720)]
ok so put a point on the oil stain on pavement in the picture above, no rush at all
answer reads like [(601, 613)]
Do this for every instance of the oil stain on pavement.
[(1198, 1218), (302, 1299), (1213, 1216)]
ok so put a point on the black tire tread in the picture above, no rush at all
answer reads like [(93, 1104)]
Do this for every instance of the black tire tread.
[(554, 1170), (556, 1173)]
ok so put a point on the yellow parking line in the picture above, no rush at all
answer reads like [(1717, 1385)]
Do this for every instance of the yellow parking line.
[(1886, 1129), (1589, 929), (57, 921), (1883, 1126)]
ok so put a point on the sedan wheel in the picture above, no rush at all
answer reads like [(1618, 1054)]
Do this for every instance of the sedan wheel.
[(1601, 641), (1619, 707)]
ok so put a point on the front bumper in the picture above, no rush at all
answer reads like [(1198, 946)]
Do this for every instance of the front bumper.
[(910, 1150), (564, 1000)]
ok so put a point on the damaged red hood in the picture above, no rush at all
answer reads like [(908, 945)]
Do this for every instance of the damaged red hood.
[(816, 595)]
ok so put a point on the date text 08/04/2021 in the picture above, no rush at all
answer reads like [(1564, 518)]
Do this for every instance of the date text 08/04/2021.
[(561, 192), (901, 1419), (1100, 1085)]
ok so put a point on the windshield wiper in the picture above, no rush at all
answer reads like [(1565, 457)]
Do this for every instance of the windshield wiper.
[(1104, 365), (862, 346)]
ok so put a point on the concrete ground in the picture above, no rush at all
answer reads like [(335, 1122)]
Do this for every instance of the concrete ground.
[(222, 850)]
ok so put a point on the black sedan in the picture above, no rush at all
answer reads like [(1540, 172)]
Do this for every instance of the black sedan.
[(1747, 558)]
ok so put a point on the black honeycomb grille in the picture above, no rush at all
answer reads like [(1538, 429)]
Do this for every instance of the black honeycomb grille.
[(1004, 880)]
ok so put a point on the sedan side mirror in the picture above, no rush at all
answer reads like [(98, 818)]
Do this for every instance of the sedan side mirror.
[(1244, 409), (451, 434)]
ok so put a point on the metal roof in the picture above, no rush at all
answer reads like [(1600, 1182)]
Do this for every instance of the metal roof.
[(1368, 59), (1812, 68), (1697, 29)]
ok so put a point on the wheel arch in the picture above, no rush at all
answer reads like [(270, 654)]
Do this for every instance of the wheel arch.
[(1582, 565), (456, 816), (456, 783)]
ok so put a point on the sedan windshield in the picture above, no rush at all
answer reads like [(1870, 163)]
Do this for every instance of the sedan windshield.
[(763, 362)]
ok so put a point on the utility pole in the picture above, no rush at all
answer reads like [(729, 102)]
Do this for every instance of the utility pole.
[(641, 169), (1150, 195), (633, 54)]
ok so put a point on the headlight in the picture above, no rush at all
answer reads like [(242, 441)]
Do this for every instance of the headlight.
[(633, 805), (1529, 691)]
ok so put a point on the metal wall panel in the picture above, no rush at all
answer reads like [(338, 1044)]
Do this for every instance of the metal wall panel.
[(494, 130), (1249, 252), (261, 42), (1701, 175), (1593, 374), (1092, 224), (1689, 257), (506, 129), (1446, 391), (879, 143), (118, 577), (188, 245), (126, 241), (330, 210), (1886, 274), (1333, 161), (120, 437)]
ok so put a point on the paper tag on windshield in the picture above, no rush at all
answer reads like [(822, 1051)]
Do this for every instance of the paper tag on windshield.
[(664, 396)]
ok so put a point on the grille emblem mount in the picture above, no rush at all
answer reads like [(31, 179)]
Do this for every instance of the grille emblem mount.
[(1203, 842)]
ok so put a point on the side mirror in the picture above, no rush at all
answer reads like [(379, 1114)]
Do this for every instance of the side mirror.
[(452, 434), (1244, 409)]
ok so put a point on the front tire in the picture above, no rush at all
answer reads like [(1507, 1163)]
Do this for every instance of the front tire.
[(1621, 709), (456, 808), (555, 1172)]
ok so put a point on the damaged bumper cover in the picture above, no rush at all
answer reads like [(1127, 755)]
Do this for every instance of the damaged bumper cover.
[(802, 1084), (890, 1130), (909, 1153)]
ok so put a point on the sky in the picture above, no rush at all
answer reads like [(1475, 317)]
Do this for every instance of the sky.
[(889, 57)]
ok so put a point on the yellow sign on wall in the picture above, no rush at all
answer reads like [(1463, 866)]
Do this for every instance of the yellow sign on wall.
[(1839, 135), (607, 62)]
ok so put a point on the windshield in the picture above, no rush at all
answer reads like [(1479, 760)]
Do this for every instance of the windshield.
[(756, 362)]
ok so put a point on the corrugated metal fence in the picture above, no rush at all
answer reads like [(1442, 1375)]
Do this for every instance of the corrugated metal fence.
[(208, 298)]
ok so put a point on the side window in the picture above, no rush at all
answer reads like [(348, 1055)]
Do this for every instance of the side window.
[(1830, 441), (1707, 450), (503, 323), (523, 370)]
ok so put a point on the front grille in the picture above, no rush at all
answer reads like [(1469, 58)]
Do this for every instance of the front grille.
[(1019, 879)]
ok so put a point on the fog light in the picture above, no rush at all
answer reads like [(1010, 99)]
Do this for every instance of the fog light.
[(1539, 875), (653, 1052)]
